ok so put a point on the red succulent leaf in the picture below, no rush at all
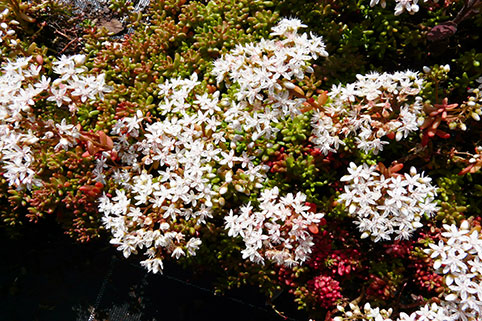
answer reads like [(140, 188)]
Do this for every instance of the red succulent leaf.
[(314, 229)]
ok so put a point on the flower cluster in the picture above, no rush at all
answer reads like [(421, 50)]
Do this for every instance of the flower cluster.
[(181, 154), (411, 6), (366, 313), (7, 33), (19, 88), (387, 203), (442, 311), (133, 229), (263, 74), (16, 99), (279, 231), (474, 103), (72, 87), (375, 106), (194, 144), (458, 257), (23, 84)]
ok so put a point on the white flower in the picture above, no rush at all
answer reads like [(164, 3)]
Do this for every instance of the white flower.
[(286, 27), (386, 205), (178, 252), (153, 265), (266, 233), (357, 172), (364, 109), (59, 95), (228, 159), (410, 6), (455, 255)]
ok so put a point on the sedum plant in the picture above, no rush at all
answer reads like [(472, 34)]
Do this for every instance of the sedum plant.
[(326, 155)]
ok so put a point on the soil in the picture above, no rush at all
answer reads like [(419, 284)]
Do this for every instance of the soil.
[(60, 26)]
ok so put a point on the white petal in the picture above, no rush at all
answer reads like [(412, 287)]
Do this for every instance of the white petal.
[(451, 297)]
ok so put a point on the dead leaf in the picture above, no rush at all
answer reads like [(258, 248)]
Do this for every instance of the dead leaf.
[(114, 26)]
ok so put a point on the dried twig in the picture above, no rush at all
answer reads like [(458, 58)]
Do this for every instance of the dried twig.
[(66, 46)]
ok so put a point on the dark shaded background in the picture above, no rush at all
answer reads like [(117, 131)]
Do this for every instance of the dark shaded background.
[(45, 275)]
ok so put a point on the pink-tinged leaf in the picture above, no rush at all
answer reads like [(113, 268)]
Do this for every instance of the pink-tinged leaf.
[(442, 134), (465, 170), (395, 168), (313, 229)]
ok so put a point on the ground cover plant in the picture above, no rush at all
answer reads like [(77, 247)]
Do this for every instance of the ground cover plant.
[(327, 149)]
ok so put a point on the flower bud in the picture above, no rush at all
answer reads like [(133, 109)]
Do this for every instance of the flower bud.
[(225, 102), (229, 176), (417, 224), (449, 279), (221, 201), (413, 171), (420, 121), (365, 235), (223, 190), (465, 225), (79, 59), (148, 221), (288, 85), (39, 59), (451, 297)]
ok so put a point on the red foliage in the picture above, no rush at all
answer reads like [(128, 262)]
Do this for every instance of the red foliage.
[(325, 290)]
